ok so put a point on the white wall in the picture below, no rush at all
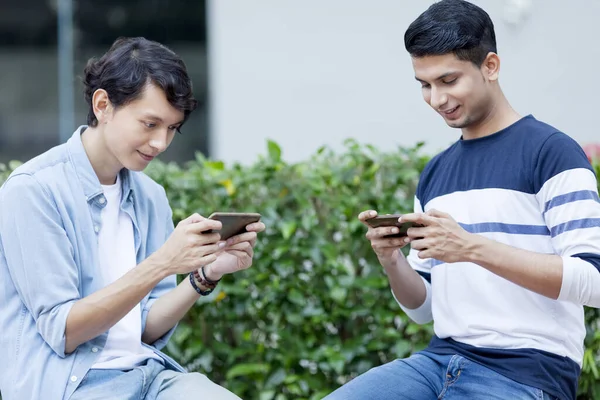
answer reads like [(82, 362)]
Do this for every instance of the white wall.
[(313, 72)]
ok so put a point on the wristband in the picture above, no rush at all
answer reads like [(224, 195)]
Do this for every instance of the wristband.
[(210, 283), (197, 289)]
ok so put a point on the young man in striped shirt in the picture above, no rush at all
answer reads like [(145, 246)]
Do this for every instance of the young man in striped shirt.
[(510, 251)]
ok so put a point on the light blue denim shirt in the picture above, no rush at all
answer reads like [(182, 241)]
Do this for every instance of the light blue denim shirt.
[(49, 222)]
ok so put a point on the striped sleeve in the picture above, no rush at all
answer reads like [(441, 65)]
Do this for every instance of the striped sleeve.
[(423, 313), (422, 266), (567, 192)]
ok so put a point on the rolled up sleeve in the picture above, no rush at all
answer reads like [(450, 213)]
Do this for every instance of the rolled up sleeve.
[(39, 256)]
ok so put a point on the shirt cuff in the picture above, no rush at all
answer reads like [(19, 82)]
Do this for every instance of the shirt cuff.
[(423, 313), (580, 282)]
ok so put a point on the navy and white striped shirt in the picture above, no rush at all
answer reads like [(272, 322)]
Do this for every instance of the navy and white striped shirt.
[(531, 187)]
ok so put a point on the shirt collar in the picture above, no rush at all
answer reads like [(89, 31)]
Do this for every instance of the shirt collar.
[(85, 172)]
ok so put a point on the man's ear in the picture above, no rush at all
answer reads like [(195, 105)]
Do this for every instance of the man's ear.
[(491, 67), (101, 105)]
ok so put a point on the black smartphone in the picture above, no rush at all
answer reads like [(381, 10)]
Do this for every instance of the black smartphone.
[(392, 220), (233, 223)]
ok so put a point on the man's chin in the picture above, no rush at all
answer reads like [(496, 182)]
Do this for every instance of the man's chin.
[(135, 166), (458, 123)]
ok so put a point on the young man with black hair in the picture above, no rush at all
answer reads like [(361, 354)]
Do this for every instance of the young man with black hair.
[(510, 249), (88, 251)]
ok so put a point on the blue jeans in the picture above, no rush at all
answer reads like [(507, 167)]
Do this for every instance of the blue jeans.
[(425, 376), (148, 382)]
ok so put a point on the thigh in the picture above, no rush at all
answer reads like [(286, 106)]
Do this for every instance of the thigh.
[(173, 385), (101, 384), (418, 377), (469, 380)]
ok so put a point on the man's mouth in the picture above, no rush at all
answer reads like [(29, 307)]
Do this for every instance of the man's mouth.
[(450, 111), (146, 156)]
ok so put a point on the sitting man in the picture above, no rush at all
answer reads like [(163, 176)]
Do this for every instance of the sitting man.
[(510, 249), (88, 251)]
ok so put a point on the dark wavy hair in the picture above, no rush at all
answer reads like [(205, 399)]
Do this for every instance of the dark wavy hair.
[(452, 26), (128, 66)]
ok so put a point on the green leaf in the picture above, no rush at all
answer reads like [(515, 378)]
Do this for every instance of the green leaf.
[(216, 165), (274, 150), (288, 228), (339, 294), (276, 378), (267, 395), (296, 297), (402, 348), (247, 369)]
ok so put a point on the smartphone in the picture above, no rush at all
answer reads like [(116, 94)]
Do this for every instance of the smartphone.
[(233, 223), (392, 220)]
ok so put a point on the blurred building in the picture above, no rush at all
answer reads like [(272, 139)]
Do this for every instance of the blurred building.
[(29, 97), (303, 73), (308, 73)]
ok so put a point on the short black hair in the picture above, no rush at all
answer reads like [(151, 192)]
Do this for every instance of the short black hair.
[(452, 26), (128, 66)]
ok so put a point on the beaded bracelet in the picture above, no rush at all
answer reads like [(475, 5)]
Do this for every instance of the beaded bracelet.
[(197, 289)]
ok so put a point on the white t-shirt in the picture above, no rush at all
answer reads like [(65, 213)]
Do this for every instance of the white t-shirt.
[(123, 349)]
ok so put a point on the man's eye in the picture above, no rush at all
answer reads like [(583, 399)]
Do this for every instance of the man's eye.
[(450, 82), (425, 86), (149, 125)]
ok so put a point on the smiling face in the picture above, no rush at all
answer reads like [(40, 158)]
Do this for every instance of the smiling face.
[(139, 131), (462, 93)]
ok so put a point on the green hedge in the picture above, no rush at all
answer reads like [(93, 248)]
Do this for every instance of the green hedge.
[(315, 310)]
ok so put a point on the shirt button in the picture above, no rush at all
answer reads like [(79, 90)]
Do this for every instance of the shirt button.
[(73, 378), (94, 349), (96, 228), (102, 200)]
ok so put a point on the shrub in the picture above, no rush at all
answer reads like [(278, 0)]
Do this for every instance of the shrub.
[(315, 310)]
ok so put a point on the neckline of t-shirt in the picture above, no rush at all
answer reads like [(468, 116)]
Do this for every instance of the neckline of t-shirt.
[(114, 189), (496, 135)]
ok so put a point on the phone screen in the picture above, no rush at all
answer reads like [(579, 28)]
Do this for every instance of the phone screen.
[(234, 223)]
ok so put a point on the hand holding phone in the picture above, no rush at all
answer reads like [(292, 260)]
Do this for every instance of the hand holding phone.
[(391, 220), (233, 223), (188, 247), (386, 234)]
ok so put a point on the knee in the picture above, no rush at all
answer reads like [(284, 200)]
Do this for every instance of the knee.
[(194, 382)]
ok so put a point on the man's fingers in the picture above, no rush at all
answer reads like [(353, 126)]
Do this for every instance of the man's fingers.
[(418, 218), (195, 218), (206, 238), (436, 213), (243, 246), (415, 233), (204, 225), (421, 244), (412, 217), (386, 243), (365, 215), (425, 254), (242, 237), (376, 233), (256, 227), (208, 249), (191, 219)]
